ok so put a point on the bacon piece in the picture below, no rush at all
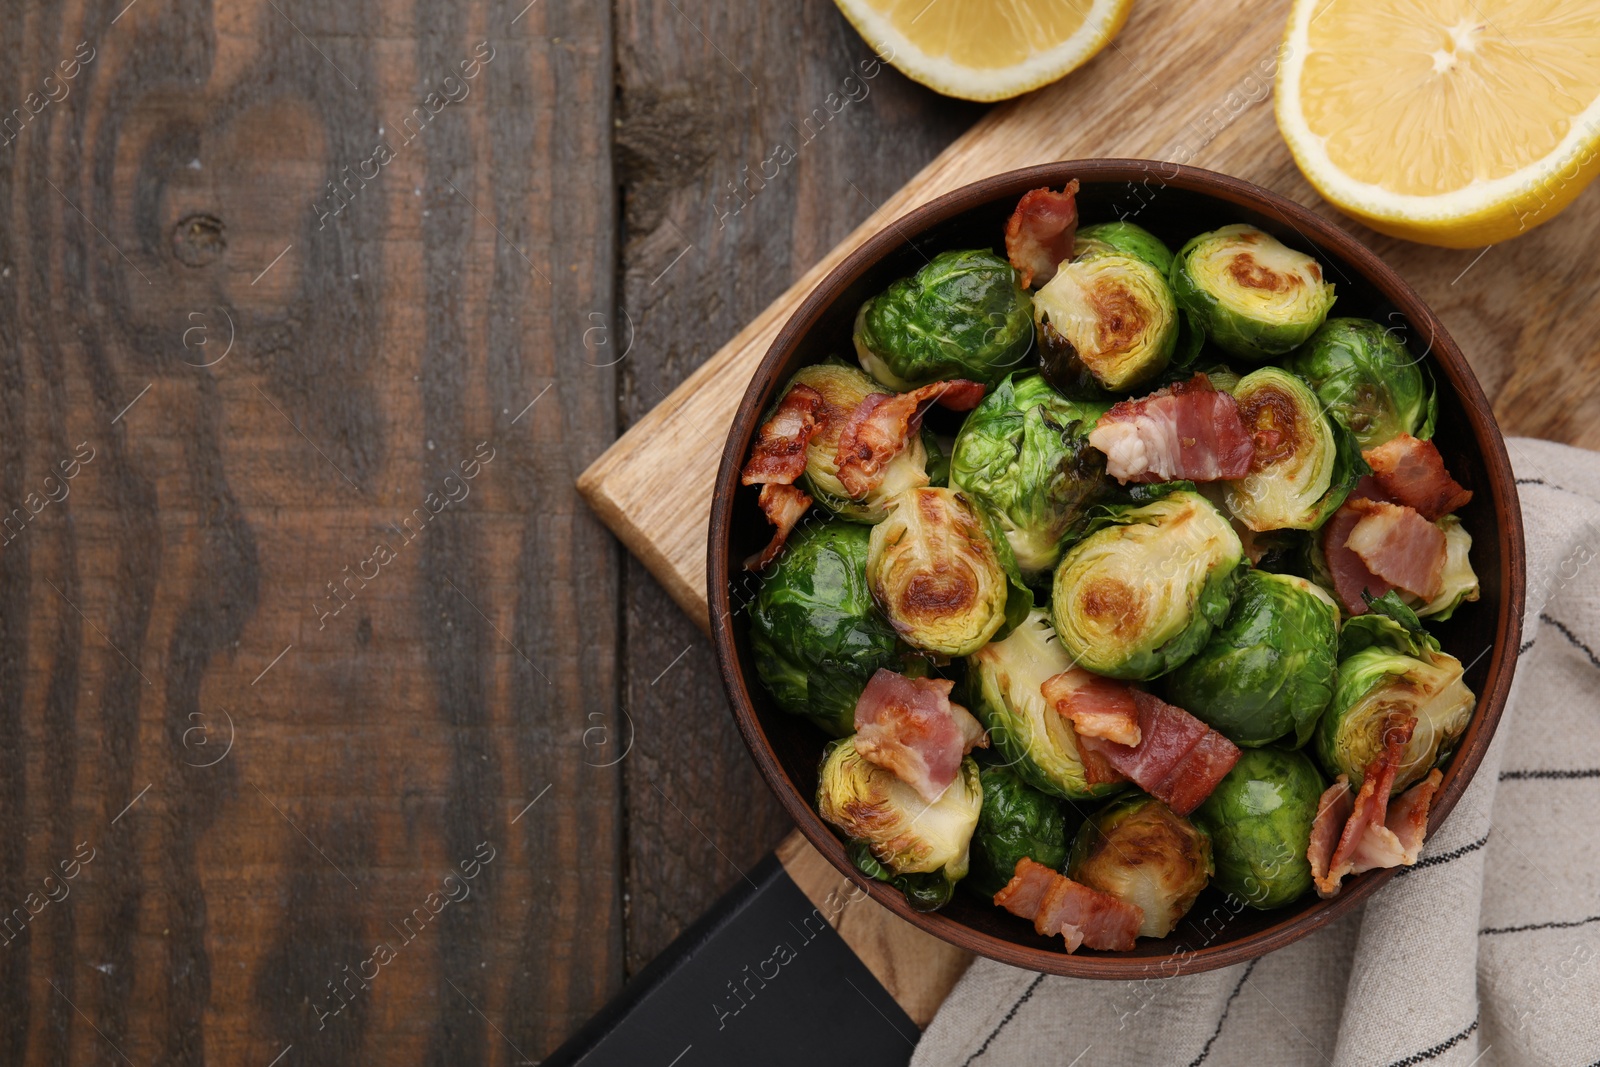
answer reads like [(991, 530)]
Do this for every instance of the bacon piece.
[(1186, 430), (1096, 706), (1397, 544), (1165, 762), (1371, 833), (778, 456), (1350, 574), (1412, 473), (910, 727), (1040, 232), (1055, 904), (783, 506), (882, 424)]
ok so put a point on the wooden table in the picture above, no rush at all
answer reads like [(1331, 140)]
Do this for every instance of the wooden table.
[(310, 316)]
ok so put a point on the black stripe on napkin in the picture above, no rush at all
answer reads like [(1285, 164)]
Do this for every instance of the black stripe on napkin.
[(1438, 1050), (1531, 775), (1027, 995), (1444, 857), (1572, 638), (1198, 1060), (1559, 924)]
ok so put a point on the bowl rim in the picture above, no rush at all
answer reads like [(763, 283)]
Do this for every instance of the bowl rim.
[(1315, 229)]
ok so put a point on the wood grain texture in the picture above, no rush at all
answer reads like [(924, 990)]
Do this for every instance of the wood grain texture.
[(697, 262), (209, 574), (1190, 84)]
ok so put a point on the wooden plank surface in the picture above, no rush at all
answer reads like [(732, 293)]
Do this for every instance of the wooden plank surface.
[(242, 748), (1186, 83)]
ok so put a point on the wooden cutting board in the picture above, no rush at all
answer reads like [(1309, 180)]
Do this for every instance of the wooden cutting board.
[(1188, 83)]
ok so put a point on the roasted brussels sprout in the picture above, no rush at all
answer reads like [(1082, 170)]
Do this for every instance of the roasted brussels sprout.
[(1268, 671), (1109, 313), (1389, 665), (1137, 850), (815, 633), (1143, 591), (1023, 455), (1304, 466), (1367, 380), (1017, 820), (842, 388), (1003, 680), (903, 833), (937, 576), (1460, 582), (1259, 818), (1126, 237), (961, 316), (1253, 296)]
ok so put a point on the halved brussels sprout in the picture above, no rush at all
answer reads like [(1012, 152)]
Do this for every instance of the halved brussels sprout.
[(1460, 582), (1126, 237), (936, 575), (1003, 680), (842, 388), (1142, 593), (1137, 850), (1023, 455), (1390, 665), (1369, 383), (1254, 296), (815, 633), (1304, 466), (1259, 818), (903, 833), (961, 316), (1110, 314), (1017, 821), (1269, 670)]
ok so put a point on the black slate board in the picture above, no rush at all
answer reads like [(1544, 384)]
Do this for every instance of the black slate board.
[(760, 979)]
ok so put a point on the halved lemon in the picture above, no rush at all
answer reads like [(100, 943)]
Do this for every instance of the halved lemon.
[(1450, 122), (986, 49)]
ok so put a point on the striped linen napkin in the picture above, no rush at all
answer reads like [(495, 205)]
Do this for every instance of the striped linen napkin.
[(1486, 953)]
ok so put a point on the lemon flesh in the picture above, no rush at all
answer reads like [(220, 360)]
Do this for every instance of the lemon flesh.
[(1452, 122)]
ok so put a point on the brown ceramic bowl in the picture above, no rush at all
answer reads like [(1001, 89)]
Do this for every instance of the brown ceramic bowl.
[(1175, 203)]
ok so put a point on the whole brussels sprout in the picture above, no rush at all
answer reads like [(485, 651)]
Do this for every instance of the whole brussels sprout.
[(1304, 466), (842, 387), (1137, 850), (1259, 818), (936, 574), (1367, 380), (1003, 680), (961, 316), (1108, 313), (1142, 593), (1390, 665), (815, 633), (903, 833), (1017, 821), (1268, 671), (1023, 455), (1254, 297), (1126, 237)]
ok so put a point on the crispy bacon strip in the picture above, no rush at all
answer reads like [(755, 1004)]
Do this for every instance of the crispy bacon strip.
[(1178, 759), (910, 727), (1096, 706), (1397, 544), (1055, 904), (1350, 574), (1371, 832), (1040, 232), (1412, 473), (882, 424), (778, 456), (783, 506), (1186, 430)]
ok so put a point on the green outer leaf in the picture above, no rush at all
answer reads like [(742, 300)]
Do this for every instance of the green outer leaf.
[(1017, 821), (815, 633), (1128, 238), (1269, 670), (1388, 624), (1234, 331), (1259, 818), (928, 891), (1370, 383), (961, 316)]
